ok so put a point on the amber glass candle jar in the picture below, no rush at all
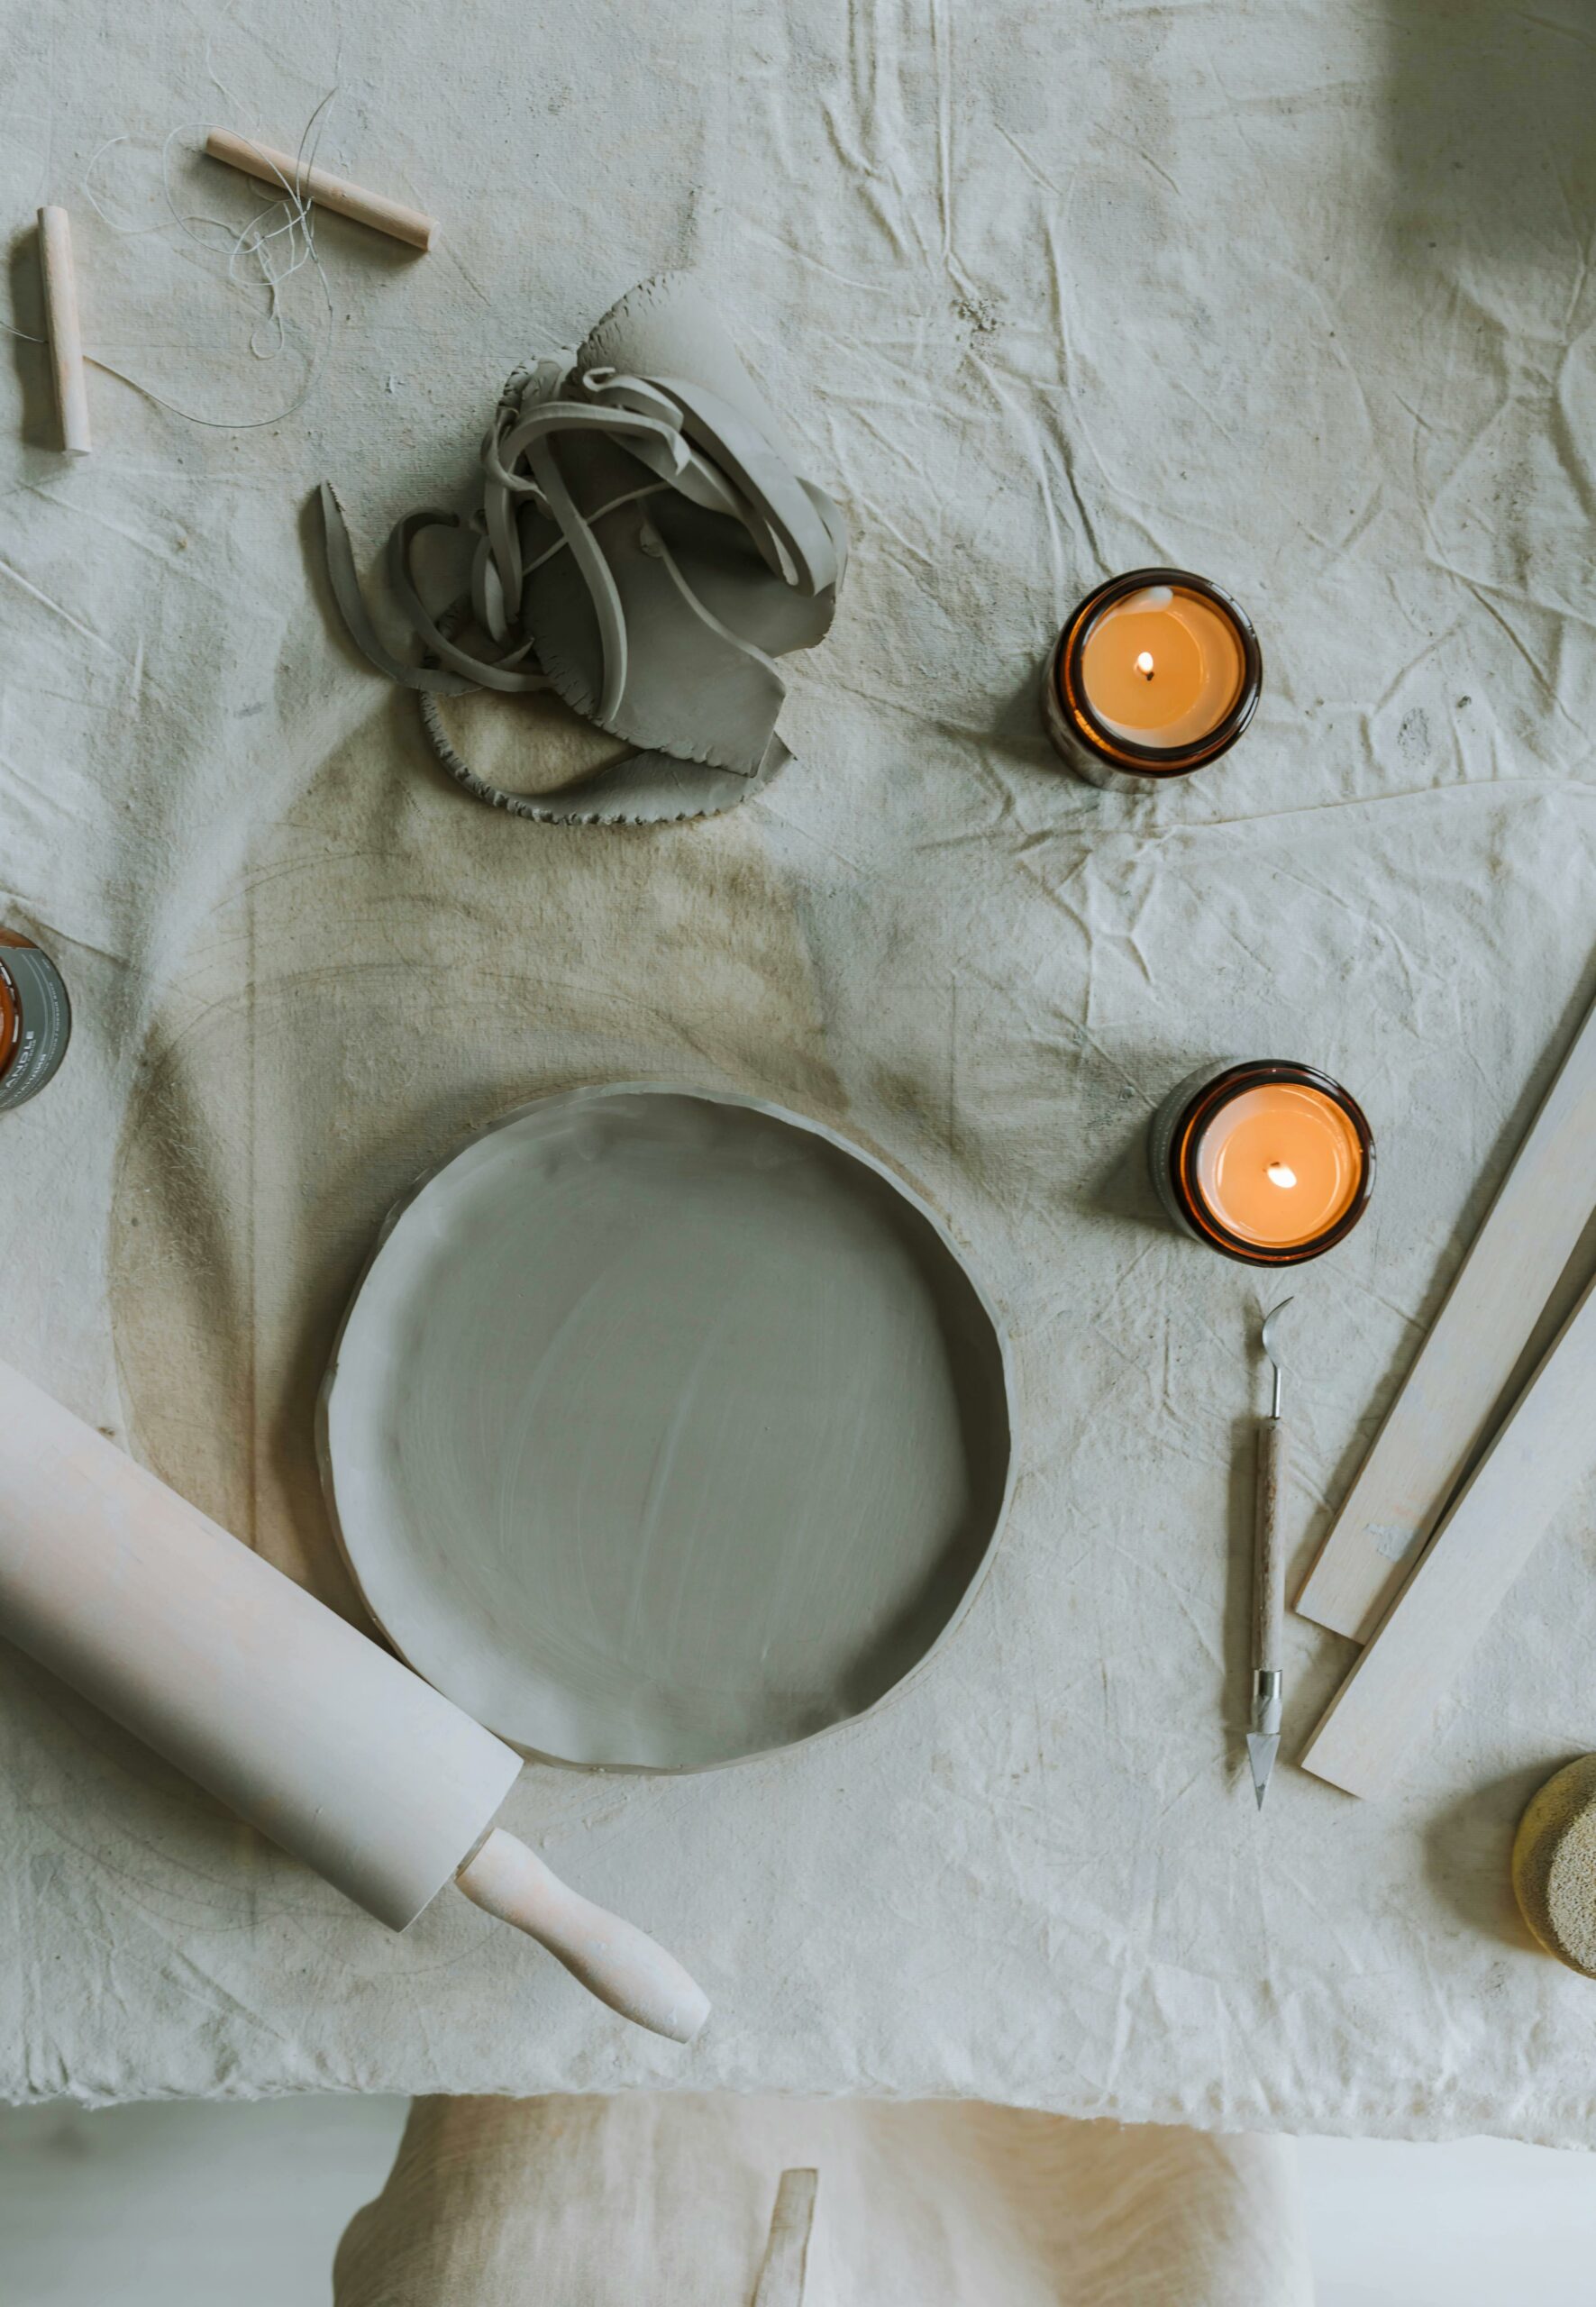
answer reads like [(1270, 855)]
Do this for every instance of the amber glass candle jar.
[(1264, 1161), (1155, 674), (35, 1020)]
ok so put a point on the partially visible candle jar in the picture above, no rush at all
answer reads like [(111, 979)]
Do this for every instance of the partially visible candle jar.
[(1155, 674), (1270, 1162), (35, 1020)]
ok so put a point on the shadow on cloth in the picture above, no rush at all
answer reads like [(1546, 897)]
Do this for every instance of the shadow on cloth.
[(1489, 118), (41, 425), (395, 967), (1468, 1849)]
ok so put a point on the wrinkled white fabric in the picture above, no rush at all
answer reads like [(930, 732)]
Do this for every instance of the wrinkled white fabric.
[(1299, 296)]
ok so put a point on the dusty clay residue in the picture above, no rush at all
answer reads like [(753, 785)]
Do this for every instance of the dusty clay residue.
[(396, 966)]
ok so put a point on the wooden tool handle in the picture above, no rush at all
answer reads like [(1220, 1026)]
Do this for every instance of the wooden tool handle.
[(283, 170), (614, 1960), (60, 317), (1269, 1572)]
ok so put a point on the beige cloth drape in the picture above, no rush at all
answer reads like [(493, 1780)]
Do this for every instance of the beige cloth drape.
[(646, 2200)]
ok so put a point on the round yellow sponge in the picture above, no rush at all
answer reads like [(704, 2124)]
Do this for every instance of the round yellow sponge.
[(1555, 1866)]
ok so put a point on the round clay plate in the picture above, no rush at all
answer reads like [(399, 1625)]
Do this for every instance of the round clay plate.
[(665, 1428)]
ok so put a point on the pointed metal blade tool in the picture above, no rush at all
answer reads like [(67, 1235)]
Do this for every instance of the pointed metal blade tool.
[(1262, 1749)]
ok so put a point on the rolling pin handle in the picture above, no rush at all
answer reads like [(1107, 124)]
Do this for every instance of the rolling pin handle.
[(614, 1960)]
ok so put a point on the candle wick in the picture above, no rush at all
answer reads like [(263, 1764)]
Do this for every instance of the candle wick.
[(1145, 664), (1279, 1174)]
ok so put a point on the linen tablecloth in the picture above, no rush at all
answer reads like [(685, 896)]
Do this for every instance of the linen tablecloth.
[(1299, 296), (709, 2202)]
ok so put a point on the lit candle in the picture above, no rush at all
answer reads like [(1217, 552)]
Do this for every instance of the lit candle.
[(1270, 1162), (1155, 674)]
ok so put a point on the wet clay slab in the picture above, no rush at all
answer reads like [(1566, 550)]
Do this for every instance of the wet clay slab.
[(665, 1428)]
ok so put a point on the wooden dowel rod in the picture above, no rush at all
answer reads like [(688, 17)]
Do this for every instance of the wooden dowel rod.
[(281, 169), (66, 341)]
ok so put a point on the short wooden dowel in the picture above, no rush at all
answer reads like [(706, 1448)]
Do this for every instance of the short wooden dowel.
[(281, 171), (66, 341)]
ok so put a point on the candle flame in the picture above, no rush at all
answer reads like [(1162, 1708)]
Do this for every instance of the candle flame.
[(1145, 664), (1279, 1174)]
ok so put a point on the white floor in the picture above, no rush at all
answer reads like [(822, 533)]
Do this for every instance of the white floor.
[(189, 2205), (185, 2204), (1477, 2223)]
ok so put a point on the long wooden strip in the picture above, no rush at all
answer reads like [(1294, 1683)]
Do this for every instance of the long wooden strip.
[(787, 2252), (1452, 1394), (1386, 1707), (281, 169)]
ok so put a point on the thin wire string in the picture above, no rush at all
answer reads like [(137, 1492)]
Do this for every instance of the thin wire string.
[(287, 219)]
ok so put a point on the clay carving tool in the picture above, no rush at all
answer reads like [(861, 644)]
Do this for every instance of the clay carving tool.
[(66, 341), (280, 1708), (1386, 1707), (284, 172), (1452, 1395), (1269, 1575)]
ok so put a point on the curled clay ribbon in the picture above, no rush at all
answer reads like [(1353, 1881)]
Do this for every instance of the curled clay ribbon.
[(687, 438)]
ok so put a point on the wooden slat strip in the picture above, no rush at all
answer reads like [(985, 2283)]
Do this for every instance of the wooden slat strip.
[(1385, 1709), (781, 2281), (1452, 1394)]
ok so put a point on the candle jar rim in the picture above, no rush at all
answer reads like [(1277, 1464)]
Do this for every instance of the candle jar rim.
[(1215, 1089), (1124, 753), (35, 1020)]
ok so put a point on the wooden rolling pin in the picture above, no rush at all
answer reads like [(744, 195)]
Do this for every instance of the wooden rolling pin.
[(278, 1706)]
